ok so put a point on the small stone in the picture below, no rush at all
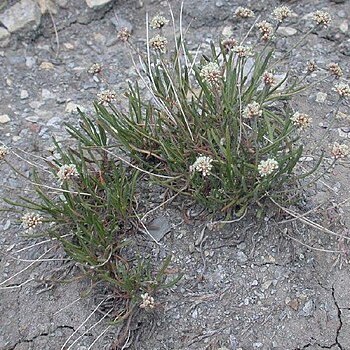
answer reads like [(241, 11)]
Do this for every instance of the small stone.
[(219, 4), (287, 31), (96, 4), (47, 6), (292, 303), (241, 257), (227, 31), (255, 283), (46, 65), (4, 119), (33, 119), (24, 94), (24, 15), (321, 97), (30, 62), (68, 46), (47, 94), (308, 308), (344, 27), (72, 107), (4, 37)]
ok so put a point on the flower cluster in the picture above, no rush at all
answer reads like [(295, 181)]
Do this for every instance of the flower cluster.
[(335, 70), (158, 22), (147, 302), (67, 172), (211, 73), (159, 43), (31, 220), (243, 51), (281, 13), (105, 97), (340, 150), (3, 152), (269, 79), (342, 89), (267, 167), (95, 68), (124, 34), (202, 165), (229, 43), (252, 110), (301, 120), (311, 67), (322, 17), (244, 12), (266, 30)]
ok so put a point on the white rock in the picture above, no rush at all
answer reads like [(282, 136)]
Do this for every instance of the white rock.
[(321, 97), (72, 108), (47, 94), (24, 94), (227, 31), (4, 119), (287, 31), (4, 37), (23, 15), (97, 3), (344, 27)]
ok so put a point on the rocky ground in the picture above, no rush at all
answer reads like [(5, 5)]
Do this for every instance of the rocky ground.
[(245, 286)]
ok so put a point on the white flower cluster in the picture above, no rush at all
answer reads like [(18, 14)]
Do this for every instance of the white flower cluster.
[(202, 165), (31, 220), (301, 120), (124, 34), (243, 51), (211, 73), (311, 67), (158, 22), (229, 43), (342, 89), (67, 172), (267, 167), (322, 17), (159, 43), (244, 12), (252, 110), (95, 68), (281, 13), (266, 30), (340, 150), (106, 97), (147, 302), (335, 70), (269, 79), (3, 152)]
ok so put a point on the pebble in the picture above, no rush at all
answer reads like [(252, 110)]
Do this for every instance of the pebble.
[(47, 94), (72, 108), (321, 97), (24, 15), (287, 31), (24, 94), (4, 37), (241, 257), (344, 27), (308, 309), (46, 65), (4, 119), (96, 4), (30, 61)]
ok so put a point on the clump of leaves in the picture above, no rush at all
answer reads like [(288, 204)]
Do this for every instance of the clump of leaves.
[(90, 209), (219, 129)]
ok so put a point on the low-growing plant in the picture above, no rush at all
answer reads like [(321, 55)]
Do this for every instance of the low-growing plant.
[(89, 209), (219, 128)]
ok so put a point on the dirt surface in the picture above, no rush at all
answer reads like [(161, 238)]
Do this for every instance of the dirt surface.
[(246, 285)]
